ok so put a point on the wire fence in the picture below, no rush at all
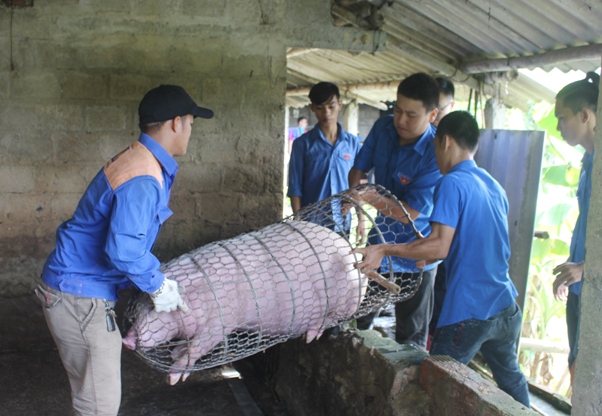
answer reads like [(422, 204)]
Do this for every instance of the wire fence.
[(293, 278)]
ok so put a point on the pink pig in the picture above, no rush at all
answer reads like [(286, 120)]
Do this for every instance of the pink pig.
[(283, 281)]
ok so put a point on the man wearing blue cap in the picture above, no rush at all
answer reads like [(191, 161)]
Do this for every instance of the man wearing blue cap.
[(106, 246)]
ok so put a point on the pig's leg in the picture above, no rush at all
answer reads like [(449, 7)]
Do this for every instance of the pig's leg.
[(184, 356), (313, 334)]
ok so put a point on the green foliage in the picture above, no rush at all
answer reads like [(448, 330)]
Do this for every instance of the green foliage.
[(548, 122), (554, 215), (563, 175), (548, 249)]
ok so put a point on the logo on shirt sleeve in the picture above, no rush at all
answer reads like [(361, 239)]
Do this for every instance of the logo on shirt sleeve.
[(404, 179), (346, 156)]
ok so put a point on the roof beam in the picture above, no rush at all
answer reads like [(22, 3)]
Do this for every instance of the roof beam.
[(455, 74), (302, 76), (292, 52), (350, 96), (443, 68), (487, 85), (353, 88), (356, 90), (559, 56), (359, 14), (346, 94), (344, 88)]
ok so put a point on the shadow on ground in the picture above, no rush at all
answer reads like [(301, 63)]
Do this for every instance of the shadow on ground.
[(33, 381)]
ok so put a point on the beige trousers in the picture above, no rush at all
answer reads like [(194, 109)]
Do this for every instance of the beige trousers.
[(90, 353)]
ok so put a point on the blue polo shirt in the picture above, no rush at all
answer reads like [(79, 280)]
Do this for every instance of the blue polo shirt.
[(106, 245), (318, 169), (410, 173), (584, 191), (469, 200)]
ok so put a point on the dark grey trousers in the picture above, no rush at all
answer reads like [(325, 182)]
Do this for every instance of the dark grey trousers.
[(412, 316)]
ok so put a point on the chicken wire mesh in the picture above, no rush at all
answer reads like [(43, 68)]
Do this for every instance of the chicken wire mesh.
[(295, 277)]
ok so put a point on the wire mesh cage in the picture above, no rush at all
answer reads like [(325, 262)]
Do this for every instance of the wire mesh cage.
[(292, 278)]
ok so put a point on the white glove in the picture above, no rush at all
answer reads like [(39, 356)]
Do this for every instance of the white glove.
[(167, 298)]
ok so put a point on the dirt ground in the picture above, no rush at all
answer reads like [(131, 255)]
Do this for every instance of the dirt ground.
[(33, 381)]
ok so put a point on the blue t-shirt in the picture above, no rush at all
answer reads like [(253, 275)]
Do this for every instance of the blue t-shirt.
[(584, 192), (106, 245), (318, 169), (469, 200), (410, 173)]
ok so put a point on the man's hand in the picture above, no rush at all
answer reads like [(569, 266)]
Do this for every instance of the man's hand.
[(568, 273), (373, 256), (354, 195), (360, 232), (167, 298), (421, 264), (364, 195)]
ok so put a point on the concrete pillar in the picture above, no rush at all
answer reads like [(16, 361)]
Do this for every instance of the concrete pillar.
[(495, 114), (286, 150), (351, 117), (587, 393), (287, 115)]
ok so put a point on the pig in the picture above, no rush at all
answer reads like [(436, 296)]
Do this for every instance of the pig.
[(286, 280)]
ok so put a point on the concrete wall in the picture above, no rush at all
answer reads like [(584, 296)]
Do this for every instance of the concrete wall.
[(72, 73), (361, 373)]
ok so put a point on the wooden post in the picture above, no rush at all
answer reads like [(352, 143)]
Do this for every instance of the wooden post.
[(495, 113), (587, 391), (352, 117)]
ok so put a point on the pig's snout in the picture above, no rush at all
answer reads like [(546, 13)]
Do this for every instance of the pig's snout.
[(130, 340)]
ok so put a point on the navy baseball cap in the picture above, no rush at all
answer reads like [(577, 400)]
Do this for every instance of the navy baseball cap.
[(166, 102)]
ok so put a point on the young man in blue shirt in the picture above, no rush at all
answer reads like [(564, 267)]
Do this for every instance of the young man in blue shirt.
[(106, 246), (321, 158), (576, 106), (446, 105), (400, 150), (470, 231)]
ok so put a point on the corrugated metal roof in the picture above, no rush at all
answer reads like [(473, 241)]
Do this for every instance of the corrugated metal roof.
[(440, 37)]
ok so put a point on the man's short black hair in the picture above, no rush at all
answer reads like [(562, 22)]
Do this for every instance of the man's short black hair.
[(446, 86), (150, 128), (301, 118), (323, 92), (462, 126), (581, 94), (421, 87)]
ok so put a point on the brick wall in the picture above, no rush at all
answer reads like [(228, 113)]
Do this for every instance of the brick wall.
[(72, 74)]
